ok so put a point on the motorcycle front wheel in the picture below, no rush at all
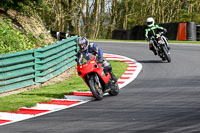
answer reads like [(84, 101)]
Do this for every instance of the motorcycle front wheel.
[(167, 55), (95, 88)]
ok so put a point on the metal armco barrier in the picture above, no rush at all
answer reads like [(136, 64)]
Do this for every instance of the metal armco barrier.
[(16, 70), (36, 66)]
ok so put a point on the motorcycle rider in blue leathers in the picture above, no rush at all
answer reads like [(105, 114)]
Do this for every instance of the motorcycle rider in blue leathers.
[(151, 30), (88, 50)]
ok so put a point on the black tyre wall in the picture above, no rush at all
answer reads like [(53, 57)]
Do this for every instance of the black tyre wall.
[(191, 31), (138, 32)]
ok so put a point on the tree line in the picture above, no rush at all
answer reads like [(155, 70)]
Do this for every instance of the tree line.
[(98, 18)]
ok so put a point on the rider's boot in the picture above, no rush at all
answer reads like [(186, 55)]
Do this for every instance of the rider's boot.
[(113, 77), (154, 51)]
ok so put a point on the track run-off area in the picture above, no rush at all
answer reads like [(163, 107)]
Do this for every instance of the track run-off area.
[(163, 98)]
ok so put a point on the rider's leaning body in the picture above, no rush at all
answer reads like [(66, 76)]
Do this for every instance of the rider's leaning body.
[(151, 30), (87, 53), (88, 50)]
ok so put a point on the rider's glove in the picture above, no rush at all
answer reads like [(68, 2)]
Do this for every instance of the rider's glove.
[(165, 30)]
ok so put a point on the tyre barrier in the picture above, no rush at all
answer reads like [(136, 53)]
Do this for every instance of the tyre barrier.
[(175, 31)]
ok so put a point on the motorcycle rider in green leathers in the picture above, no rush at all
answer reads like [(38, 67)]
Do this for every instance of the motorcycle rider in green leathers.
[(151, 30)]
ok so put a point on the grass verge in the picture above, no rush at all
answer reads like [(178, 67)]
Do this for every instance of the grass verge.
[(46, 93)]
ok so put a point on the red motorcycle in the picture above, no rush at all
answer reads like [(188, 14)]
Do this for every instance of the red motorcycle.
[(97, 79)]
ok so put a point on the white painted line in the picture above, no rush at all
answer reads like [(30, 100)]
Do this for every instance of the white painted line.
[(47, 107), (79, 98), (13, 116), (19, 117)]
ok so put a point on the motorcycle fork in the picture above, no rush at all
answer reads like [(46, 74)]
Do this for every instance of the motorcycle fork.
[(165, 46), (159, 48), (155, 46), (97, 80)]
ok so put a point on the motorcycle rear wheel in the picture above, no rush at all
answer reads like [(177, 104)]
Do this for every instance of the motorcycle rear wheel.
[(95, 88), (114, 89)]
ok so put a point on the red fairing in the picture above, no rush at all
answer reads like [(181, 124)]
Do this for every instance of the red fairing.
[(92, 67)]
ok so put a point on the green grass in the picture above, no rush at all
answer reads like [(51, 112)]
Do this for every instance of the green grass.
[(170, 41), (192, 42), (46, 93)]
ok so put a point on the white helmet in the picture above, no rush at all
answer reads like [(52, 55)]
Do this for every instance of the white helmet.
[(150, 22)]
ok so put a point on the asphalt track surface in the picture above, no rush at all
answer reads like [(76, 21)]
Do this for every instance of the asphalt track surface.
[(164, 98)]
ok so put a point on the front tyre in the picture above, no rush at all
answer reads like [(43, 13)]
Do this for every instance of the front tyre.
[(95, 88), (167, 55), (114, 89)]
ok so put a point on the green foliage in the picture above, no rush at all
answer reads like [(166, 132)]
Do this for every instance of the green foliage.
[(189, 17), (12, 40), (18, 5), (163, 11)]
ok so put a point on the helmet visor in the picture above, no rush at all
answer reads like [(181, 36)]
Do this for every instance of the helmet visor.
[(149, 23), (82, 46), (82, 43)]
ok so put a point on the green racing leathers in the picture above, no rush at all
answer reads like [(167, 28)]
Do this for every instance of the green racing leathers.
[(151, 31)]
